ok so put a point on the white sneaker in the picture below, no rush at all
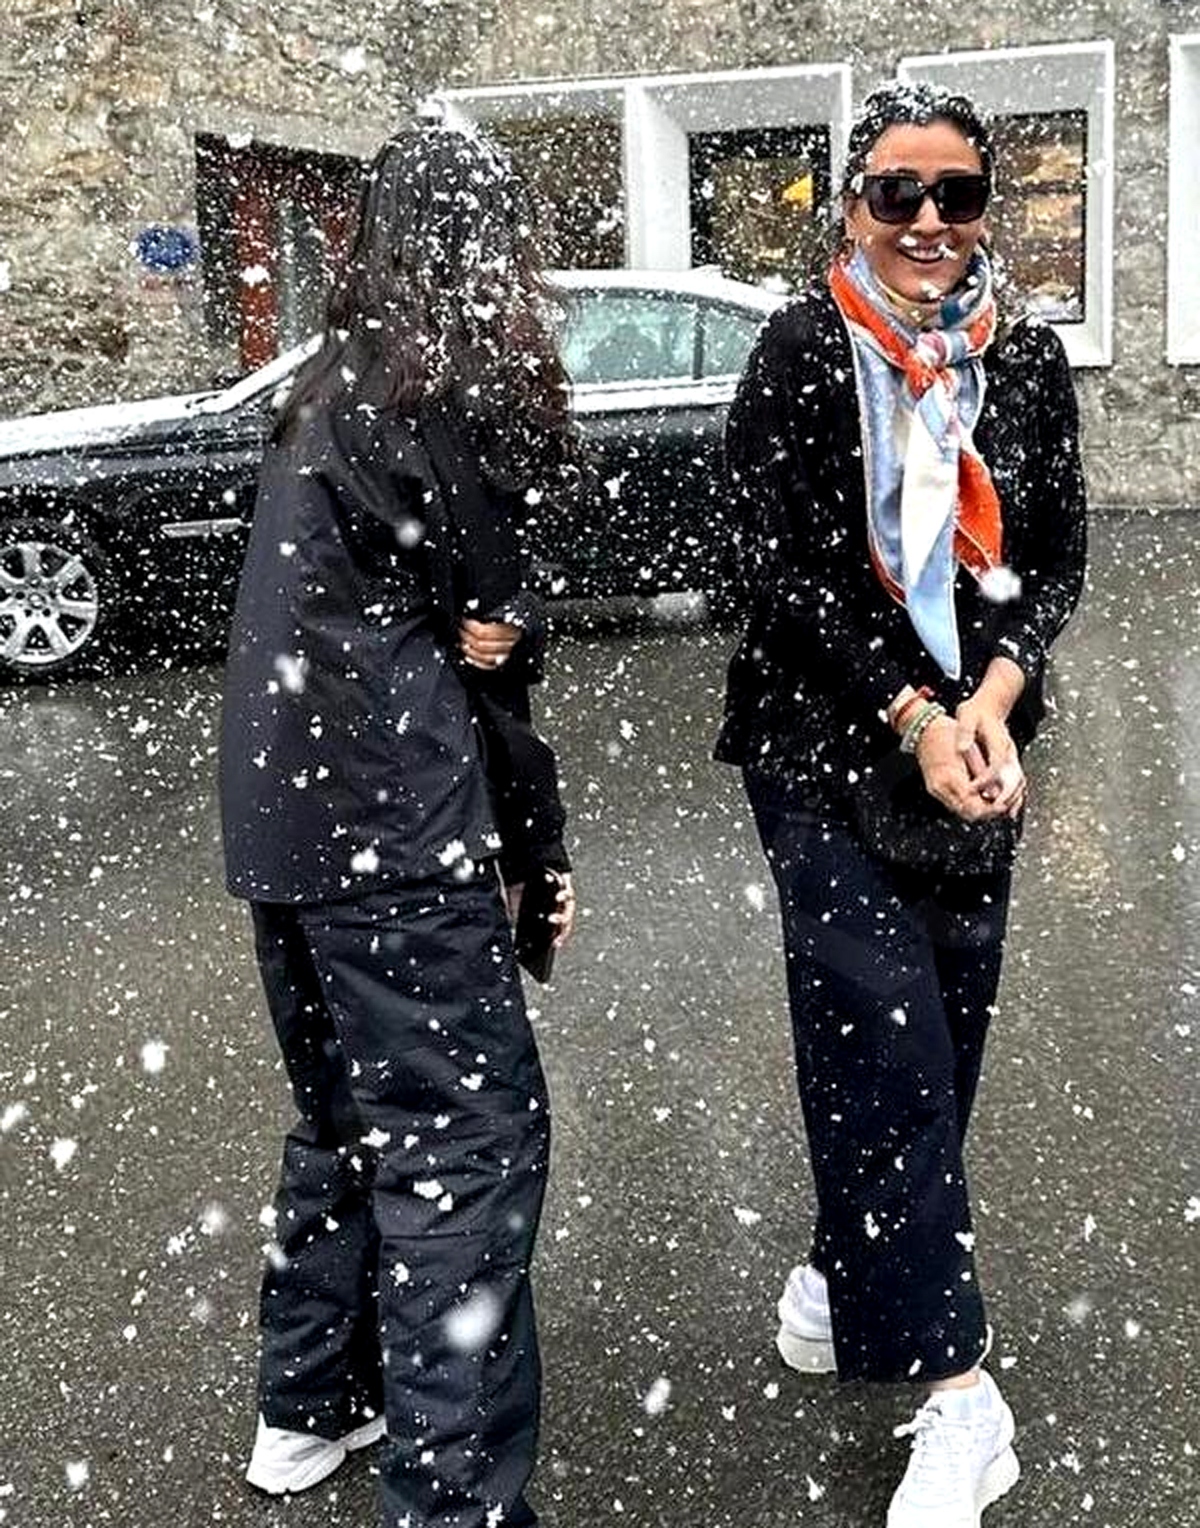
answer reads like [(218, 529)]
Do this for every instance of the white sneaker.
[(293, 1461), (805, 1336), (962, 1459)]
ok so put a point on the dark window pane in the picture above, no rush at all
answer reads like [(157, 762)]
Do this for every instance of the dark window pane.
[(756, 195), (1039, 212), (574, 164)]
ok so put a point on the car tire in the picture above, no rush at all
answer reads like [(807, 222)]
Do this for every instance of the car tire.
[(55, 598)]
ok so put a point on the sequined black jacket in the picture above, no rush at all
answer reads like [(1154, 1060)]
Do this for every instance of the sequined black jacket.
[(826, 648)]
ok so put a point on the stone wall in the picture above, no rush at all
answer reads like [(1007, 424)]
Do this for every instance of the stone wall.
[(99, 104), (100, 101)]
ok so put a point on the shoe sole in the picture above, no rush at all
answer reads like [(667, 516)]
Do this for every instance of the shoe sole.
[(319, 1468), (999, 1477), (807, 1355)]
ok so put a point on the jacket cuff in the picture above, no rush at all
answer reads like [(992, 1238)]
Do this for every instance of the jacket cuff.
[(1024, 648), (517, 867)]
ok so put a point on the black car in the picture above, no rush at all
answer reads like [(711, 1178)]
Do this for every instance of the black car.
[(129, 520)]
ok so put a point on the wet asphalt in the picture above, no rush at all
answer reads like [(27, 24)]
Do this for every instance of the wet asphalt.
[(141, 1107)]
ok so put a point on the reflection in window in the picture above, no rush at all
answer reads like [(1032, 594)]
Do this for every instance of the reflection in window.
[(629, 337), (726, 338), (756, 195), (573, 163), (1038, 214)]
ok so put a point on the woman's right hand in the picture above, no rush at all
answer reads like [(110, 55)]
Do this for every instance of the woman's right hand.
[(487, 644), (952, 776)]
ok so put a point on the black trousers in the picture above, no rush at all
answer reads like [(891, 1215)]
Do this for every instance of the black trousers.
[(892, 979), (409, 1195)]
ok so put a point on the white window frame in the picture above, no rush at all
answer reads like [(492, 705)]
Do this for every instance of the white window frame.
[(1062, 77), (1183, 200), (657, 113)]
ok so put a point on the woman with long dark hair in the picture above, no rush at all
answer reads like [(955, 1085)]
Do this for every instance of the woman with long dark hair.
[(381, 789), (907, 468)]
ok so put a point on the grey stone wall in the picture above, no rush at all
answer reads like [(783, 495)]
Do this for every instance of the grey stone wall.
[(100, 101), (99, 104)]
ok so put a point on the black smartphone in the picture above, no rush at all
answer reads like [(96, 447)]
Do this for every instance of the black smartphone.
[(535, 934)]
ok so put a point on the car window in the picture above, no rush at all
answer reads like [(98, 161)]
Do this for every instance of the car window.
[(727, 337), (629, 337)]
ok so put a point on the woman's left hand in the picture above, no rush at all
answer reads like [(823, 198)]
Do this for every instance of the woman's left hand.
[(563, 919), (487, 644), (991, 757), (565, 916)]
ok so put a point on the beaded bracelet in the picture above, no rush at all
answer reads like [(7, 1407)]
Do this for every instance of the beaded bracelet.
[(901, 711), (915, 730)]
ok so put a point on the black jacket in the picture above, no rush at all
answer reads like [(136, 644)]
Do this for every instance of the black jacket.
[(352, 754), (826, 648)]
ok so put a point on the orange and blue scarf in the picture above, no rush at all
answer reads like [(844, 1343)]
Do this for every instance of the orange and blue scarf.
[(931, 503)]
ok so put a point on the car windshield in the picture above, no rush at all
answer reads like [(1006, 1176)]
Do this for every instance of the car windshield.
[(259, 383)]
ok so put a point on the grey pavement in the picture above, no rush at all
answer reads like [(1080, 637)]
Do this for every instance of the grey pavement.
[(141, 1107)]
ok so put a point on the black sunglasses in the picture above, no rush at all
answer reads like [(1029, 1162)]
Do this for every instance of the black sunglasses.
[(898, 197)]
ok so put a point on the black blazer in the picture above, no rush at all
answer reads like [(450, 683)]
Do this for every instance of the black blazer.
[(826, 648), (351, 753)]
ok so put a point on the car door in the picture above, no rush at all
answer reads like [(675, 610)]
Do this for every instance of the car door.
[(651, 409)]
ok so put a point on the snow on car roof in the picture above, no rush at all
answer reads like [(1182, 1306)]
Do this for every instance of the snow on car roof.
[(110, 423), (104, 422), (699, 281)]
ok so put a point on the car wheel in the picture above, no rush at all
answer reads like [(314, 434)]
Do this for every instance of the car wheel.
[(53, 597)]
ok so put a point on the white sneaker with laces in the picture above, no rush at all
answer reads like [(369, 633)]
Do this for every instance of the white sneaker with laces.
[(962, 1458), (805, 1336), (292, 1461)]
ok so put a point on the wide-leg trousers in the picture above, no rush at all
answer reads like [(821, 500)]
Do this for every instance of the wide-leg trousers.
[(409, 1195), (892, 979)]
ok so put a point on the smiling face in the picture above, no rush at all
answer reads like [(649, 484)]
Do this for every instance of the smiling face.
[(922, 260)]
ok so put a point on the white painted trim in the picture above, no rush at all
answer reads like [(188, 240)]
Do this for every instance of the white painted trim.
[(1063, 76), (658, 214), (1183, 202), (656, 113)]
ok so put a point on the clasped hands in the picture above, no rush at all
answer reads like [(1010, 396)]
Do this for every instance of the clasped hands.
[(969, 761)]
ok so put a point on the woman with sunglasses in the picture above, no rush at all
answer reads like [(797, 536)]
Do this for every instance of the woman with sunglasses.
[(906, 465)]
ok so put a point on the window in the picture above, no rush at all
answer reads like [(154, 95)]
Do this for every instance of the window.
[(629, 338), (755, 196), (1183, 278), (726, 339), (274, 226), (699, 156), (573, 162), (1039, 212), (1053, 110)]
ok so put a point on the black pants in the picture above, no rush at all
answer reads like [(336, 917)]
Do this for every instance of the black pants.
[(892, 977), (409, 1195)]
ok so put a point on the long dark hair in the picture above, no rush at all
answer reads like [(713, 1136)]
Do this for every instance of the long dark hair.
[(442, 298)]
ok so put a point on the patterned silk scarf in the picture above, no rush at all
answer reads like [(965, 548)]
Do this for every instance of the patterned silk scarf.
[(931, 502)]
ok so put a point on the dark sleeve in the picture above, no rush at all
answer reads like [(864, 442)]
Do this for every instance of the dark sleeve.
[(522, 774), (1052, 554), (379, 479), (803, 563), (475, 543)]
